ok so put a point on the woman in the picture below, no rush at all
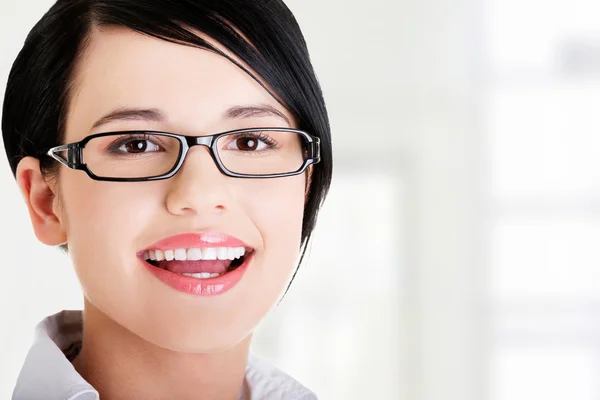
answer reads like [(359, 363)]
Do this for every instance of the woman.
[(179, 151)]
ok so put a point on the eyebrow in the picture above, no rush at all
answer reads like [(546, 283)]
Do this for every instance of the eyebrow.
[(131, 114), (262, 110), (156, 115)]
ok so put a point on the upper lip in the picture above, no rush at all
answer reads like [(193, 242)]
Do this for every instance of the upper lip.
[(197, 240)]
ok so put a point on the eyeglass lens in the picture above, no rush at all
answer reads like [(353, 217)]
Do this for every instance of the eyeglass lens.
[(144, 155)]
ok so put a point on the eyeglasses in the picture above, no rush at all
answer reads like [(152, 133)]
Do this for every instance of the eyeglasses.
[(133, 156)]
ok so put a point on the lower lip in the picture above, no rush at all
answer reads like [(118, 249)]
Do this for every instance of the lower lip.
[(200, 287)]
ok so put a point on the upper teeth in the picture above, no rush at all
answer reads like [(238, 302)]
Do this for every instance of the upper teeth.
[(208, 253)]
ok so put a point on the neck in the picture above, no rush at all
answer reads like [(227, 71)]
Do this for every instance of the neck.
[(121, 365)]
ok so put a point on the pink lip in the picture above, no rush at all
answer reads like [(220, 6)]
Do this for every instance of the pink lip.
[(194, 286), (201, 287), (197, 241)]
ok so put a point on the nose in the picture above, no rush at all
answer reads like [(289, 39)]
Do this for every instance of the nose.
[(198, 187)]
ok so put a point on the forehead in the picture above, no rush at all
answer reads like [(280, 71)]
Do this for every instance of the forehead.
[(121, 69)]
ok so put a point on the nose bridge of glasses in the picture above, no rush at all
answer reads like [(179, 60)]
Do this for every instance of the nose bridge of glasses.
[(206, 141), (199, 141)]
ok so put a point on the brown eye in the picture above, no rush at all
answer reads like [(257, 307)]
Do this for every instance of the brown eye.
[(247, 143), (137, 146), (250, 143)]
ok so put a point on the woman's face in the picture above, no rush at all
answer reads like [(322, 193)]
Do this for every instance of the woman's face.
[(109, 223)]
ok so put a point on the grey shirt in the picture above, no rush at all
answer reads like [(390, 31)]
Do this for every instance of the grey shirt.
[(49, 375)]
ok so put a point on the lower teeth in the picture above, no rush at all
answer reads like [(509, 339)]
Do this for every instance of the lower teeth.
[(235, 264), (203, 275)]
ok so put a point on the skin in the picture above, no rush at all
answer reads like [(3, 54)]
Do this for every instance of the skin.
[(143, 339)]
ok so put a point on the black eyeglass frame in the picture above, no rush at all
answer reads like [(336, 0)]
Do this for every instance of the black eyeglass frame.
[(74, 159)]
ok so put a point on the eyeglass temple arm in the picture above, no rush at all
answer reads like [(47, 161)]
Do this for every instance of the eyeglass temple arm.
[(73, 159), (316, 150)]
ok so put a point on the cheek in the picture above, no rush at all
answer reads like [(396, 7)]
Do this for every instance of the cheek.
[(104, 211), (102, 219), (278, 211)]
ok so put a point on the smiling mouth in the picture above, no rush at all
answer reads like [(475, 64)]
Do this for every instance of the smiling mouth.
[(199, 263)]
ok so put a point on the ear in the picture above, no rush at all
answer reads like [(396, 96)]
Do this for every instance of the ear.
[(41, 202)]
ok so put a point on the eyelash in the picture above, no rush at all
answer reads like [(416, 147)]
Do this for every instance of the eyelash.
[(120, 141), (260, 136)]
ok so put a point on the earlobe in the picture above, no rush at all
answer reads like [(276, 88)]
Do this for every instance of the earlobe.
[(40, 200)]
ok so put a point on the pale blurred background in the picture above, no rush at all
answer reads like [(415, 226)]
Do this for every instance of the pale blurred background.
[(455, 257)]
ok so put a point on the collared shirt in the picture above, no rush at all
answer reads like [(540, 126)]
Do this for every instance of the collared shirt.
[(49, 375)]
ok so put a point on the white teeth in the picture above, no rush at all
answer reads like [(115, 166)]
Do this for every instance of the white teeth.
[(209, 253), (222, 253), (194, 254), (202, 275), (180, 254)]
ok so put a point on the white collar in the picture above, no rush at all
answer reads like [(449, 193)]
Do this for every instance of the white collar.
[(47, 372)]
